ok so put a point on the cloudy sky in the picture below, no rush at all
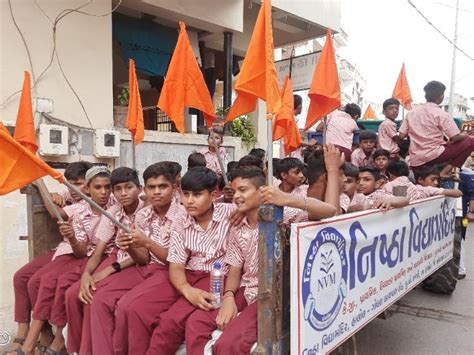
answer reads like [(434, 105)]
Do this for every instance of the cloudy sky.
[(384, 34)]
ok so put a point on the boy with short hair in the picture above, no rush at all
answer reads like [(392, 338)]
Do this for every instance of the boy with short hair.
[(381, 160), (362, 156), (196, 159), (290, 173), (212, 162), (351, 174), (250, 160), (427, 175), (259, 153), (388, 135)]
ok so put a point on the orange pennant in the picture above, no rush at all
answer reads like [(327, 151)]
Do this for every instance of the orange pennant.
[(401, 92), (369, 113), (20, 166), (325, 92), (135, 122), (258, 76), (184, 84), (25, 125)]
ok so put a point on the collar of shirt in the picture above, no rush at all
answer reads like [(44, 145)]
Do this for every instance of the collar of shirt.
[(120, 213), (218, 215)]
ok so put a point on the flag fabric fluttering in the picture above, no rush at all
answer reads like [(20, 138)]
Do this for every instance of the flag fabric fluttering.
[(135, 122), (369, 114), (20, 166), (258, 76), (184, 84), (25, 132), (284, 125), (401, 92), (325, 91)]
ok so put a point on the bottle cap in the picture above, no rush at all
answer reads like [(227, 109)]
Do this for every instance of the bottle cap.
[(217, 265)]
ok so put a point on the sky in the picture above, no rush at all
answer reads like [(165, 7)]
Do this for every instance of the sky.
[(384, 34)]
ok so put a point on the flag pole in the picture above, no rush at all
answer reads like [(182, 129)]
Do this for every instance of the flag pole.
[(48, 202), (219, 158), (270, 149), (95, 205), (133, 153), (325, 129)]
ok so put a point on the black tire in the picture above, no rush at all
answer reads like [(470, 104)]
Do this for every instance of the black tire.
[(444, 280)]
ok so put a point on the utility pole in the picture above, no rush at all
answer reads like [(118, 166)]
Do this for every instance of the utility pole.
[(453, 67)]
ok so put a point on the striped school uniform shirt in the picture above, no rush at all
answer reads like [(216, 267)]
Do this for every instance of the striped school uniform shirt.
[(212, 162), (359, 159), (372, 199), (414, 192)]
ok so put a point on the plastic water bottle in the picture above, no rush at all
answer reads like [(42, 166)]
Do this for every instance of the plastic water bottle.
[(217, 283)]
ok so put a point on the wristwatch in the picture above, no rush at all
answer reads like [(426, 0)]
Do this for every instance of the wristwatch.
[(117, 267)]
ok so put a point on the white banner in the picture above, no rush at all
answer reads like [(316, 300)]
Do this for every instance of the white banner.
[(301, 72), (349, 269)]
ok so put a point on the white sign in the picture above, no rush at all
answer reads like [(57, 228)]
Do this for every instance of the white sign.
[(301, 72), (348, 270)]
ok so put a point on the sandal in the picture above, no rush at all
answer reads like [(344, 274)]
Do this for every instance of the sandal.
[(50, 351), (41, 348)]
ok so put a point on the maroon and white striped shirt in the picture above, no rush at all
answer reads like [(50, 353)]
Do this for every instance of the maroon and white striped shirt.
[(242, 252), (199, 249), (64, 247), (159, 229), (414, 192), (372, 199), (344, 202), (212, 162)]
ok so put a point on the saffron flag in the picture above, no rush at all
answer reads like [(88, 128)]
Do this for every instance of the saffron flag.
[(20, 166), (258, 76), (135, 122), (285, 125), (25, 126), (369, 113), (184, 84), (401, 92), (325, 92)]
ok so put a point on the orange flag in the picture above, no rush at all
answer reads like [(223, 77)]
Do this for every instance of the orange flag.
[(369, 113), (20, 166), (285, 125), (184, 84), (25, 126), (401, 92), (325, 92), (258, 76), (135, 110)]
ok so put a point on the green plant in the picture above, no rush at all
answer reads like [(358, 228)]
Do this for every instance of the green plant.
[(123, 97), (241, 127)]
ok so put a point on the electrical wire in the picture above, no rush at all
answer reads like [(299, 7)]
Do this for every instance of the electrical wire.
[(437, 30)]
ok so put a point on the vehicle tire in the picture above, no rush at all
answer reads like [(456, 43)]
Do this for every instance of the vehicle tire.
[(444, 280)]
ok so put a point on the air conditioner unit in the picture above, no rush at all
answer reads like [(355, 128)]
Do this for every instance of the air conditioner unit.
[(106, 143), (54, 139)]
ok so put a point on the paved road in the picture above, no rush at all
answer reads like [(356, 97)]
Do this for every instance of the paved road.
[(426, 323)]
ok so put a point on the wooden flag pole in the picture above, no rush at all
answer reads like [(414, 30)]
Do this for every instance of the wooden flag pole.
[(133, 153), (325, 128), (270, 149), (219, 158), (48, 202)]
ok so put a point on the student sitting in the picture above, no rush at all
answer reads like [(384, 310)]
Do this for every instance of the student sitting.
[(212, 162), (362, 156), (428, 175), (388, 135), (290, 173), (351, 175), (381, 160), (196, 159)]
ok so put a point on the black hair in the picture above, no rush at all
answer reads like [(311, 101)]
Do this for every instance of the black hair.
[(316, 168), (254, 174), (217, 130), (173, 167), (424, 171), (351, 170), (381, 153), (312, 152), (286, 164), (297, 101), (404, 148), (157, 170), (433, 90), (398, 168), (258, 152), (124, 174), (374, 172), (232, 165), (353, 110), (220, 182), (367, 135), (391, 101), (198, 179), (77, 170), (250, 160), (276, 167), (196, 159)]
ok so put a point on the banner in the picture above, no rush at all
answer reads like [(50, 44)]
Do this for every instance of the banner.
[(349, 269), (302, 68)]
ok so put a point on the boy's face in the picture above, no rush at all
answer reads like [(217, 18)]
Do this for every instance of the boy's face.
[(247, 195), (126, 193), (218, 139), (294, 177), (99, 190), (350, 186), (366, 183), (159, 191), (431, 180), (381, 163), (80, 184), (228, 193), (197, 203), (391, 112), (367, 145)]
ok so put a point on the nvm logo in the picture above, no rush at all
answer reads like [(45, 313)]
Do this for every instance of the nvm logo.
[(327, 264)]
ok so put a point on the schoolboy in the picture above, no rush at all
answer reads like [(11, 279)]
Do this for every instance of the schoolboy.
[(388, 135), (259, 153), (212, 162), (196, 159), (55, 278), (427, 175), (362, 156), (351, 174), (195, 246), (290, 173), (381, 160), (104, 262)]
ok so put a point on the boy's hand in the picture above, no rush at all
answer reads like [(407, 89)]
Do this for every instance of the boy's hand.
[(58, 199), (227, 312), (139, 239), (102, 274), (273, 196), (87, 284), (384, 205), (333, 159), (123, 240), (66, 230), (198, 298)]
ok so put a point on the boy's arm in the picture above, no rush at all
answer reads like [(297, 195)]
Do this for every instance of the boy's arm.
[(333, 160), (87, 281), (229, 309), (458, 137), (392, 202), (133, 244), (48, 203), (452, 193)]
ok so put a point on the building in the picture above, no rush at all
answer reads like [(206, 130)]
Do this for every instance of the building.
[(462, 106)]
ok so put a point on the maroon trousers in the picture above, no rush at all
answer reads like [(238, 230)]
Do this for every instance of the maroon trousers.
[(201, 324), (347, 152), (21, 279), (455, 154)]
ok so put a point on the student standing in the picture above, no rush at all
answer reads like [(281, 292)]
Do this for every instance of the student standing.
[(388, 135), (210, 153)]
